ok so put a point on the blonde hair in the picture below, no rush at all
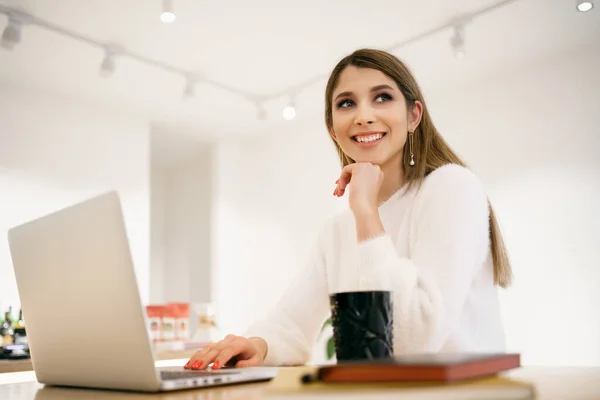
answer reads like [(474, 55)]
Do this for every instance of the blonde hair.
[(429, 147)]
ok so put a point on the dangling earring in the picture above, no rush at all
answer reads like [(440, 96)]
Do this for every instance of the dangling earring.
[(410, 146)]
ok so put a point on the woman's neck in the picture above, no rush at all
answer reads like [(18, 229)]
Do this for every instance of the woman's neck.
[(393, 178)]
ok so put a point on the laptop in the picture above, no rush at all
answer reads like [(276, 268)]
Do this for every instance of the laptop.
[(86, 325)]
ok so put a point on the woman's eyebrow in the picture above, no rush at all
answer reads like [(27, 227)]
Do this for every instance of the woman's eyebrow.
[(373, 89)]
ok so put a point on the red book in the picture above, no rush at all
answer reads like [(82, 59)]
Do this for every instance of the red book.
[(441, 367)]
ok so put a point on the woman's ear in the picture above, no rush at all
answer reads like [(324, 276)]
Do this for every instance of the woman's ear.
[(414, 116), (332, 133)]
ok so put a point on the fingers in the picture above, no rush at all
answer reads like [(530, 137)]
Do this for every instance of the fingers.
[(197, 360), (206, 355), (251, 362), (351, 170), (216, 353), (239, 352), (345, 176), (344, 180), (225, 355)]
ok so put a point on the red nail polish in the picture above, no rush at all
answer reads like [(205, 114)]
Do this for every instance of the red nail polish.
[(215, 365)]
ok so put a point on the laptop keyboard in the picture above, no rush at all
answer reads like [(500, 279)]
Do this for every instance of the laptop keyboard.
[(183, 374)]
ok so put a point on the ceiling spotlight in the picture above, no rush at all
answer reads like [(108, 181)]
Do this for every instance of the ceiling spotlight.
[(189, 91), (289, 112), (584, 6), (457, 41), (12, 33), (190, 87), (168, 16), (108, 65), (261, 114)]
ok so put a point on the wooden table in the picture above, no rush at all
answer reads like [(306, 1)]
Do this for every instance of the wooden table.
[(564, 383), (15, 365)]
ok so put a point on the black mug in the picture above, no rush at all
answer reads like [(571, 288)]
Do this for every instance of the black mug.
[(362, 325)]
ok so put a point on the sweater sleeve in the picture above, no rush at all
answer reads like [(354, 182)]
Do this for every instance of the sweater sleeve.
[(292, 327), (449, 241)]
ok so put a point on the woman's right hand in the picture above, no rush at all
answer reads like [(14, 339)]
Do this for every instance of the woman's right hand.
[(234, 350)]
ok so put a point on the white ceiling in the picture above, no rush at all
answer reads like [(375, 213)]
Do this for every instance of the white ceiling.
[(264, 47)]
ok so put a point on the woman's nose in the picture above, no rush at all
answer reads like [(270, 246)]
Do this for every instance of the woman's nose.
[(363, 121), (364, 117)]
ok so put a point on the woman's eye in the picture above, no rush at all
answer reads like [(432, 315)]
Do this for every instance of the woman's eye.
[(383, 97), (345, 104)]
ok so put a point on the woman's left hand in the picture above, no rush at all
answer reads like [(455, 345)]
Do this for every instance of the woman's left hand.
[(364, 181)]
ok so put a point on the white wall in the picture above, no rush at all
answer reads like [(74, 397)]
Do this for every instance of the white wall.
[(181, 224), (531, 134), (268, 201), (534, 136), (55, 152), (157, 233)]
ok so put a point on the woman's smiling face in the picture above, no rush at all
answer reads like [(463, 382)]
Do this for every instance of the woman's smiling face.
[(369, 115)]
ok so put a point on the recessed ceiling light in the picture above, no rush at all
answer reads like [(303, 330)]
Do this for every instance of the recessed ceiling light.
[(584, 6)]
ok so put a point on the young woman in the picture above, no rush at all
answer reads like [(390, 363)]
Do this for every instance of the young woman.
[(419, 224)]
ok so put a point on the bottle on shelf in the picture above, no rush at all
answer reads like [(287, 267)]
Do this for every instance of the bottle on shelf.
[(20, 334), (7, 328), (1, 330), (207, 330)]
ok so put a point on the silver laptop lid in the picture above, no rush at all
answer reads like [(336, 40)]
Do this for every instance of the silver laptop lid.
[(79, 295)]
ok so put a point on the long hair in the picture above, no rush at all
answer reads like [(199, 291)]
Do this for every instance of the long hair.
[(429, 147)]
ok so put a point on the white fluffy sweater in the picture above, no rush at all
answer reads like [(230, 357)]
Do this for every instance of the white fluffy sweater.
[(435, 256)]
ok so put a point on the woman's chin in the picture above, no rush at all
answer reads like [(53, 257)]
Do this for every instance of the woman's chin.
[(370, 160), (381, 158)]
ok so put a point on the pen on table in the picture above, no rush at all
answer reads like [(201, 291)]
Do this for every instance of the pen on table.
[(310, 378)]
